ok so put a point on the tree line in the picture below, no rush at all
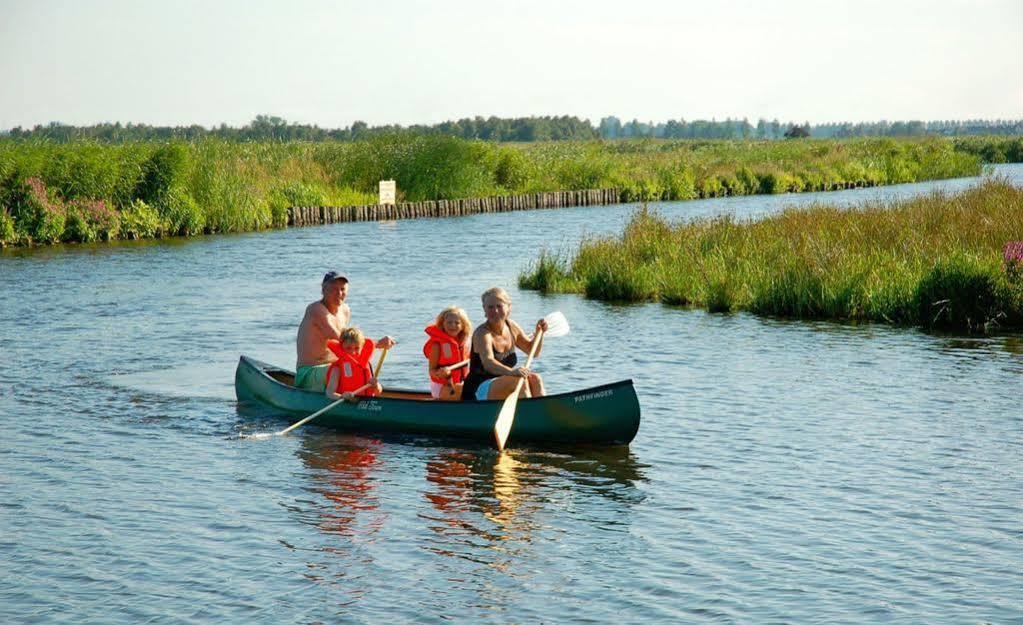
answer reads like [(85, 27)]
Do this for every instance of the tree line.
[(272, 128), (614, 128), (519, 129)]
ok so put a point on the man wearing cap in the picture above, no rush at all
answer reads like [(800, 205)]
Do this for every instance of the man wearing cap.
[(324, 319)]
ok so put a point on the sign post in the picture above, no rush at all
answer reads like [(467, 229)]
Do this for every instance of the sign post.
[(388, 190)]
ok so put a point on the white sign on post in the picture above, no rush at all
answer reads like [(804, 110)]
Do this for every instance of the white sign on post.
[(387, 191)]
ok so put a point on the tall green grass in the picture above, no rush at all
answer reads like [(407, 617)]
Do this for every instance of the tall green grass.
[(209, 186), (934, 261)]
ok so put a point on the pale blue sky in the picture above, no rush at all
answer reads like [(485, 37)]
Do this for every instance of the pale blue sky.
[(330, 63)]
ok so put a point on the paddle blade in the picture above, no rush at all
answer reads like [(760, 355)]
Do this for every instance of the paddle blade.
[(557, 324), (502, 428)]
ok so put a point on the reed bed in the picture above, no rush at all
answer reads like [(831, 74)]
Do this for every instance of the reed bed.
[(938, 261), (84, 191)]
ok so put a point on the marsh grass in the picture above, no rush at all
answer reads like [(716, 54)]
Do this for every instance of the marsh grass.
[(210, 185), (937, 261)]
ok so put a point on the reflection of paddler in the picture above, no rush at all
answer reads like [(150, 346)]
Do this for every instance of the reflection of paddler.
[(347, 483), (507, 489), (453, 477)]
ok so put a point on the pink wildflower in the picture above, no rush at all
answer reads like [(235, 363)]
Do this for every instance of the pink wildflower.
[(1012, 254)]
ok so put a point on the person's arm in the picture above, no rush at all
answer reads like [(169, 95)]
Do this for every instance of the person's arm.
[(332, 380), (484, 345), (376, 386), (526, 344)]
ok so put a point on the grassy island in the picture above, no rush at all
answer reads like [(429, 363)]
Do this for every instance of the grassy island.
[(939, 261)]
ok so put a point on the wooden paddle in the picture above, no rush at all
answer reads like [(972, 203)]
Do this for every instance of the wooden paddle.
[(557, 325), (376, 373)]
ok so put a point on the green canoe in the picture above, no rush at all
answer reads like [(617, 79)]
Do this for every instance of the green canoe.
[(602, 415)]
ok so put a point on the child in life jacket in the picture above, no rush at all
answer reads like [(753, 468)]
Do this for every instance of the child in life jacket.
[(447, 350), (351, 375)]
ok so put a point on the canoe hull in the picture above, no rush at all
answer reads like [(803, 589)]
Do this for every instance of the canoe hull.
[(602, 415)]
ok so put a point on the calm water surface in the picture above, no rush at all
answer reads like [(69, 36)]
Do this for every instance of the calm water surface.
[(783, 472)]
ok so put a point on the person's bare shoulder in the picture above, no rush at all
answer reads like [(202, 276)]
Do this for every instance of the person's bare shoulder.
[(315, 310), (516, 328), (480, 335)]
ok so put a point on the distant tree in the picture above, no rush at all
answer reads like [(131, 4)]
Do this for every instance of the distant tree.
[(797, 132), (359, 129)]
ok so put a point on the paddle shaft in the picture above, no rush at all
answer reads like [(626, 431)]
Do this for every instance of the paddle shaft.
[(507, 415), (532, 352), (380, 363), (291, 427)]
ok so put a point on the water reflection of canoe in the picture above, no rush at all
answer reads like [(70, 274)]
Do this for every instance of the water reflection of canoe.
[(602, 415)]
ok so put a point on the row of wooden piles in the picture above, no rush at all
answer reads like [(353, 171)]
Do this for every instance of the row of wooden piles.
[(310, 215)]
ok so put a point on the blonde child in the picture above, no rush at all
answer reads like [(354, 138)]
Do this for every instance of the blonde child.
[(347, 375), (447, 351)]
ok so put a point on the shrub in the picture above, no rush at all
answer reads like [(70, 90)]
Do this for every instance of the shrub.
[(6, 229), (39, 215), (91, 220), (748, 179), (141, 221), (772, 182), (711, 187), (732, 185), (679, 182)]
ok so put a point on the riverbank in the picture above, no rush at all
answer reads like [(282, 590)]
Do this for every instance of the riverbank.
[(937, 261), (85, 191)]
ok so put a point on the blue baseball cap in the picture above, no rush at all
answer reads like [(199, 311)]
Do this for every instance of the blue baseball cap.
[(334, 275)]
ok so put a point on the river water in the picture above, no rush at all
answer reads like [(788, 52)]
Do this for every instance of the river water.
[(783, 472)]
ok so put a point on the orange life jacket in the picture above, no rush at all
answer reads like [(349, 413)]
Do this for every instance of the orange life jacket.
[(450, 353), (354, 371)]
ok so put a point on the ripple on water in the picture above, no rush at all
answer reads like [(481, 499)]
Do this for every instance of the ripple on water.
[(784, 472)]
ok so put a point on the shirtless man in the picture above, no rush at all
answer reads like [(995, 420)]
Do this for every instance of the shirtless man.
[(324, 319)]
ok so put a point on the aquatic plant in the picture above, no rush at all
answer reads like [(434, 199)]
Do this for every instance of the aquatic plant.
[(938, 261)]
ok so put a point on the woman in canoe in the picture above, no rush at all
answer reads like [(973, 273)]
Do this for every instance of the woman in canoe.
[(447, 351), (493, 373)]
